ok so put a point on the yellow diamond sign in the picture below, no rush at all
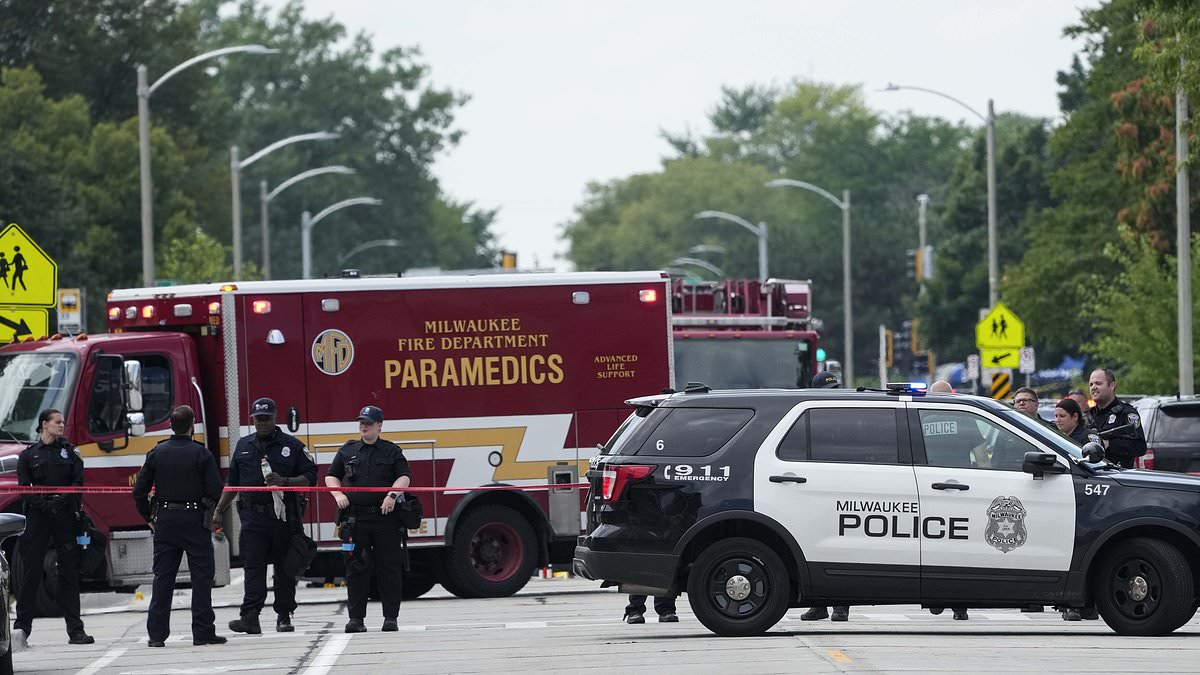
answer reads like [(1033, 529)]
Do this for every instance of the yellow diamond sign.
[(1000, 329), (28, 276)]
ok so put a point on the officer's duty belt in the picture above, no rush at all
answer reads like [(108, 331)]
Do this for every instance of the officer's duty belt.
[(268, 509), (181, 506)]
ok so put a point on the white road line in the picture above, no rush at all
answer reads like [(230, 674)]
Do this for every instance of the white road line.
[(884, 617), (1004, 616), (328, 655), (109, 656), (522, 625)]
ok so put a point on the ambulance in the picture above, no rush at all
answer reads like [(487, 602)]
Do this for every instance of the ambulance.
[(488, 380)]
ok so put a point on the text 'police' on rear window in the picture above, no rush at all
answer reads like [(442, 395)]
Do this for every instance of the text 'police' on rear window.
[(695, 432)]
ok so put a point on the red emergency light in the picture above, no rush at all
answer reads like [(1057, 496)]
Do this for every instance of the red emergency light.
[(648, 295)]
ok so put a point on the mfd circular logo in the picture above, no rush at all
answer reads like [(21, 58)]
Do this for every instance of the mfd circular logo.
[(333, 352)]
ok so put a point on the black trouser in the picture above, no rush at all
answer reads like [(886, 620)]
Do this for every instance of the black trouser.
[(377, 548), (177, 531), (265, 539), (663, 604), (41, 529)]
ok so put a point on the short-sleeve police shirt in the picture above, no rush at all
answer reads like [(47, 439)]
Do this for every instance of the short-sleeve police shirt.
[(378, 464)]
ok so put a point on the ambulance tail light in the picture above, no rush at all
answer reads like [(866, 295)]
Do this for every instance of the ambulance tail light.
[(648, 295), (148, 311), (617, 478), (1146, 461), (114, 313)]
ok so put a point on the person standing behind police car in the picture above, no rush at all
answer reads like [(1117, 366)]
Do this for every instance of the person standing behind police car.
[(826, 380), (51, 518), (269, 519), (184, 477), (371, 461), (1069, 420), (1110, 413)]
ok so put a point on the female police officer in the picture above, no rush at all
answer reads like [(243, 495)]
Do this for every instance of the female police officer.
[(371, 461)]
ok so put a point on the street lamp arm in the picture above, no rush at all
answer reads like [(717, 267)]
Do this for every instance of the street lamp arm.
[(898, 87), (697, 262), (248, 49), (788, 182), (356, 201), (721, 215), (368, 245), (314, 136), (311, 173)]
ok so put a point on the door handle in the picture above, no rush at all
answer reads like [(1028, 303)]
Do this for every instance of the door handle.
[(950, 486), (788, 479)]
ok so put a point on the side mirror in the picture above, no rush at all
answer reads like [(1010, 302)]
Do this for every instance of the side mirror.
[(293, 422), (1093, 452), (11, 525), (133, 384), (137, 423), (1041, 463)]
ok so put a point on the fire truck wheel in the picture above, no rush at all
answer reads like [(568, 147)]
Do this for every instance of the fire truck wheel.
[(416, 585), (46, 604), (493, 554)]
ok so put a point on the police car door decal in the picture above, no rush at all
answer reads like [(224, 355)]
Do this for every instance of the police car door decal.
[(853, 506), (1008, 519)]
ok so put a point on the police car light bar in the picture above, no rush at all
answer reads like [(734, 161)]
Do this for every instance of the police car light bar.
[(907, 387)]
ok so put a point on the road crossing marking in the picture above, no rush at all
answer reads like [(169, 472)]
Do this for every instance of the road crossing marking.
[(328, 655), (97, 665)]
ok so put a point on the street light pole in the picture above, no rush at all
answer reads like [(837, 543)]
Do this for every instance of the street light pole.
[(990, 124), (144, 91), (308, 222), (235, 179), (264, 204), (847, 292), (759, 231), (1183, 245)]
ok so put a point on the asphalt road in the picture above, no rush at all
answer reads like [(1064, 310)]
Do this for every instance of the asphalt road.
[(565, 625)]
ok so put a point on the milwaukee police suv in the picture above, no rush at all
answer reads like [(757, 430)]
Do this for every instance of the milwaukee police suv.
[(752, 502)]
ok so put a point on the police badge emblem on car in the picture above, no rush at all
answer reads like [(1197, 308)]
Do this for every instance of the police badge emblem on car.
[(1006, 524)]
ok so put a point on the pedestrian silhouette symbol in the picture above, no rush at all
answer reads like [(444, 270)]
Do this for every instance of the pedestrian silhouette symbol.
[(1003, 327), (19, 266), (4, 269)]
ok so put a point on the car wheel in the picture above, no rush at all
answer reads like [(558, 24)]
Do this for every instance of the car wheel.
[(493, 554), (738, 586), (1144, 587)]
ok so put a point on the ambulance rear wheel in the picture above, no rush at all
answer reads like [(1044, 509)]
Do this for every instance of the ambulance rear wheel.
[(493, 554), (1144, 587), (738, 586)]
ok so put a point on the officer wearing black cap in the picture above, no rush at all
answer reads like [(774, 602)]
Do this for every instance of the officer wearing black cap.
[(826, 380), (52, 519), (183, 475), (367, 517), (269, 519)]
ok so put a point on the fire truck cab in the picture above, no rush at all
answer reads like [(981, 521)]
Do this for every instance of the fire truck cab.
[(485, 380), (744, 334)]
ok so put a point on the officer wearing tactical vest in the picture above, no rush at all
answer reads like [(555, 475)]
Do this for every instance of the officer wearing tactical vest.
[(269, 519), (184, 477), (370, 531), (1116, 421), (52, 519)]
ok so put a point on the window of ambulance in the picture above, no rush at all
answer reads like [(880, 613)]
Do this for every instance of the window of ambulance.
[(31, 382)]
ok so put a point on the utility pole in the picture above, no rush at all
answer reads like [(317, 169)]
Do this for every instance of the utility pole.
[(1183, 245)]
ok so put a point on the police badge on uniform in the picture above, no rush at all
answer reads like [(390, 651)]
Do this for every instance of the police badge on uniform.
[(287, 452), (1006, 524), (63, 453)]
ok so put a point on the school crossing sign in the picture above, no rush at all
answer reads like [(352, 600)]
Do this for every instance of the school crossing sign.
[(28, 277), (1000, 335)]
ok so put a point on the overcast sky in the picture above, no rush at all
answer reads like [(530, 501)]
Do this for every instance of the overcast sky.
[(564, 92)]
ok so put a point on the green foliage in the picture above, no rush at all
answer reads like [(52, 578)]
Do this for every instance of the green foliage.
[(1137, 315), (191, 257)]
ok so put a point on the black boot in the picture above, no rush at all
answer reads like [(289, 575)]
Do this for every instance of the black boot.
[(815, 614), (283, 624), (247, 624)]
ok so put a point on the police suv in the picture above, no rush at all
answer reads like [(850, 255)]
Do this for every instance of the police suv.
[(752, 502)]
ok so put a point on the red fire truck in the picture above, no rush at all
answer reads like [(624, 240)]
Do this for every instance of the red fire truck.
[(485, 380), (744, 334)]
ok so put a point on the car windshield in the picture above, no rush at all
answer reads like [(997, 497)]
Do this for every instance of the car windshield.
[(743, 364), (31, 382)]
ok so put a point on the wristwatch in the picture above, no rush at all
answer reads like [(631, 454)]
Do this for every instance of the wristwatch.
[(394, 495)]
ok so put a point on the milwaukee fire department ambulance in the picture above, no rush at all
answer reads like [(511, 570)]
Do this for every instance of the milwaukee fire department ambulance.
[(485, 380), (752, 502)]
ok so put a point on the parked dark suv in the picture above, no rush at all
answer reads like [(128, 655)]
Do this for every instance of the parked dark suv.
[(1172, 428), (752, 502), (11, 525)]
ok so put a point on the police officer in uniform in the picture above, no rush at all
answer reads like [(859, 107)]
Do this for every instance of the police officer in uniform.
[(267, 457), (184, 477), (367, 517), (51, 460), (1124, 440)]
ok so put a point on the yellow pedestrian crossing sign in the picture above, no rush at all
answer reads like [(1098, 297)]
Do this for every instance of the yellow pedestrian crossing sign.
[(1000, 358), (1000, 329), (28, 276)]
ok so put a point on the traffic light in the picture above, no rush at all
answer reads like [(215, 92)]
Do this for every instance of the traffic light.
[(902, 340), (821, 355), (913, 259), (508, 260)]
